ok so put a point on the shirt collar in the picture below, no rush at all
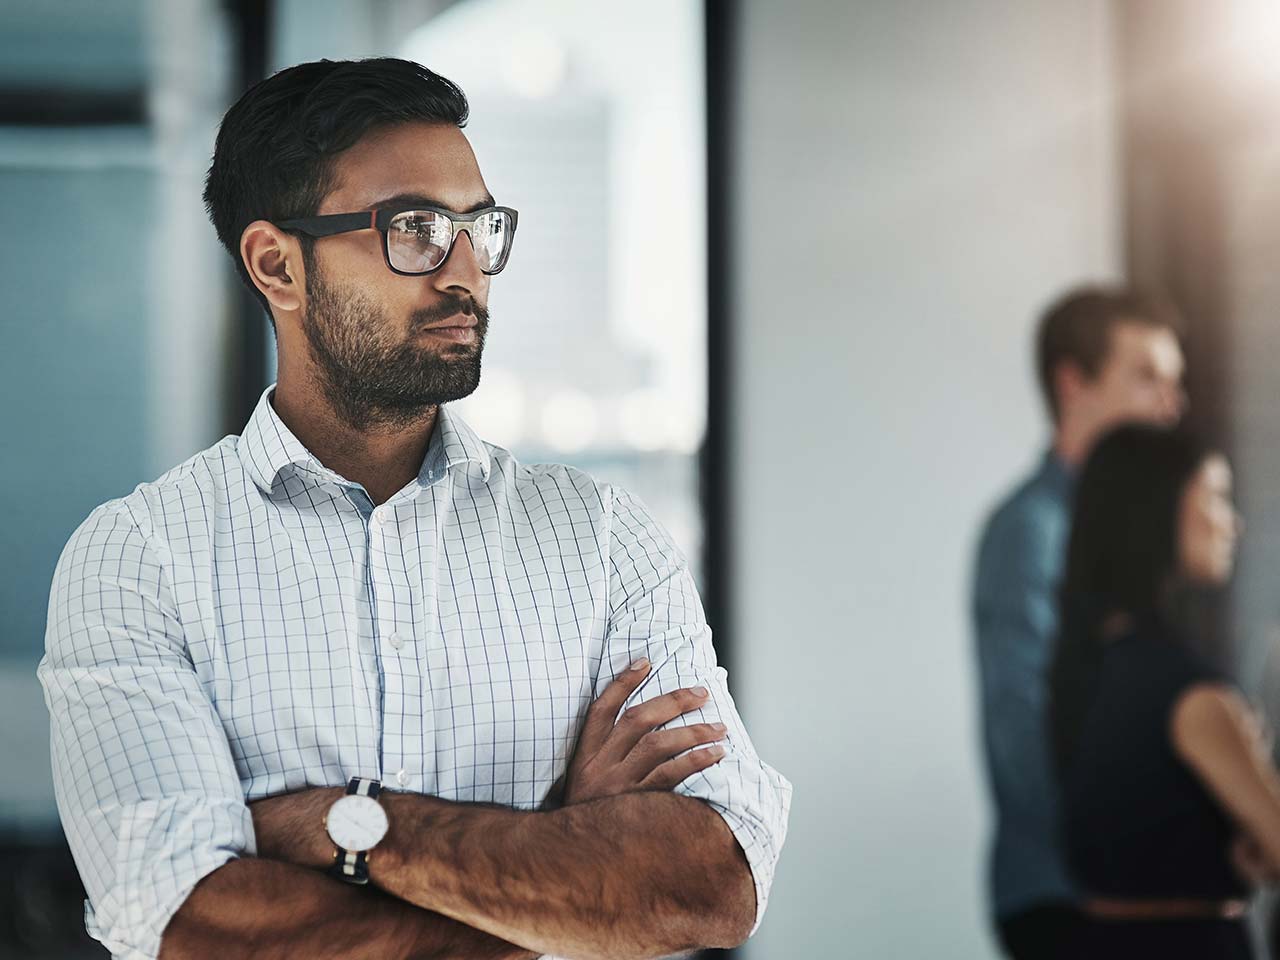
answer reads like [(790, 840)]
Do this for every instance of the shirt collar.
[(267, 446), (1055, 473), (453, 442)]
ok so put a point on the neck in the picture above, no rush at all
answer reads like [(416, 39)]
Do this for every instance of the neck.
[(1071, 443), (382, 458)]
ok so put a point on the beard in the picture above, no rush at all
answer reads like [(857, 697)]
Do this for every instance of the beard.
[(371, 375)]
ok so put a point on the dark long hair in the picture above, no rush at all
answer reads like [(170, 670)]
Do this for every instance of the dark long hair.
[(1121, 560)]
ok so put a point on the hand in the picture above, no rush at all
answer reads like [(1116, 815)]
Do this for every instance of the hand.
[(1252, 864), (290, 827), (633, 754)]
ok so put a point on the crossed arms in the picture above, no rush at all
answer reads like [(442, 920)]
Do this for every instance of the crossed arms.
[(175, 862), (624, 869)]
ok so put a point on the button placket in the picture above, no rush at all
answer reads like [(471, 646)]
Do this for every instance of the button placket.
[(371, 691), (390, 688), (419, 640), (398, 667)]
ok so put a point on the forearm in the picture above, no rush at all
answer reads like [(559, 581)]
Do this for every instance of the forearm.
[(639, 875), (265, 910)]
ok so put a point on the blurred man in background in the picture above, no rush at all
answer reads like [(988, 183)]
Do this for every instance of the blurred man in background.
[(1104, 357)]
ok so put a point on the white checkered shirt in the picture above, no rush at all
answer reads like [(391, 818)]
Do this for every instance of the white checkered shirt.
[(249, 625)]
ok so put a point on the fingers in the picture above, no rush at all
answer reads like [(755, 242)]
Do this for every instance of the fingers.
[(667, 776), (604, 710), (661, 745), (642, 718)]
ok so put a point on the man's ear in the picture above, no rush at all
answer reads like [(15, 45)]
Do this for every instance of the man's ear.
[(1069, 380), (273, 259)]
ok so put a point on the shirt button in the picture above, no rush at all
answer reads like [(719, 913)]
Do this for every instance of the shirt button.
[(396, 642), (379, 517), (402, 778)]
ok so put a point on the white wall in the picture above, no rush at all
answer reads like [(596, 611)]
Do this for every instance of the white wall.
[(938, 171)]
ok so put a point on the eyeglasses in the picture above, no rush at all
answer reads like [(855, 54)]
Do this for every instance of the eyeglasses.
[(419, 240)]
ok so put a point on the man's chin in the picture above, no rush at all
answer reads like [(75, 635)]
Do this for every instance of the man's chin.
[(452, 352), (447, 393)]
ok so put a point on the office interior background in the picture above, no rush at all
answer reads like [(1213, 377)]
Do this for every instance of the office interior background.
[(820, 379)]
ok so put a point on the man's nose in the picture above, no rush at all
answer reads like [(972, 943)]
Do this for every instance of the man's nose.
[(461, 268)]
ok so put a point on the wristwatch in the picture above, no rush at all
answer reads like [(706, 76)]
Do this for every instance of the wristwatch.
[(356, 823)]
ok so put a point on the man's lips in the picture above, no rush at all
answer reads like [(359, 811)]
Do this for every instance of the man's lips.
[(457, 329), (462, 321)]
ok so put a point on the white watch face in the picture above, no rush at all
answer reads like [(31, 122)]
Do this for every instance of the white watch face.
[(356, 823)]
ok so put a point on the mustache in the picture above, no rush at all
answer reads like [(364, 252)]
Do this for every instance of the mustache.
[(451, 307)]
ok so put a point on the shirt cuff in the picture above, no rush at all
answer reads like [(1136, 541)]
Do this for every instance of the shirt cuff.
[(760, 844), (165, 848)]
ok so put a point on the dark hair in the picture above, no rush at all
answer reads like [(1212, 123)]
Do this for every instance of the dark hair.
[(276, 147), (1121, 558), (1077, 328)]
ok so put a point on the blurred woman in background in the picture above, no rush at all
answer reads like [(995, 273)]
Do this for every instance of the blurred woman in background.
[(1171, 804)]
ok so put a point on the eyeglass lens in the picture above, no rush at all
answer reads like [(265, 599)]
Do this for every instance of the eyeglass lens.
[(419, 240)]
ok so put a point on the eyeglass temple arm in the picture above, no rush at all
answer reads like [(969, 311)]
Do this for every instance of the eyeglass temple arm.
[(332, 223)]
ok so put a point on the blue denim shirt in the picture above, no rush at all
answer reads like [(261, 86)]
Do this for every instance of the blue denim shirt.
[(1020, 562)]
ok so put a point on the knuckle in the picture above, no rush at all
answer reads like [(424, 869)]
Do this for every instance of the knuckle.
[(669, 707), (679, 739), (610, 698), (665, 715), (661, 750), (661, 773)]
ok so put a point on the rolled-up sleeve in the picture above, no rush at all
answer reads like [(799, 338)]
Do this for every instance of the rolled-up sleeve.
[(144, 778), (655, 612)]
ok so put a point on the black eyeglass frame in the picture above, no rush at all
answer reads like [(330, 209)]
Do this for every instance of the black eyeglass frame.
[(334, 223)]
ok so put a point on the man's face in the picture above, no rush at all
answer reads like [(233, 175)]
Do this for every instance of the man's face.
[(1140, 380), (386, 347)]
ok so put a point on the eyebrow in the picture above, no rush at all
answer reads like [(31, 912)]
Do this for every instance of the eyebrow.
[(421, 199)]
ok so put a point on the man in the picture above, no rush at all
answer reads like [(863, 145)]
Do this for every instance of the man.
[(1104, 356), (316, 691)]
